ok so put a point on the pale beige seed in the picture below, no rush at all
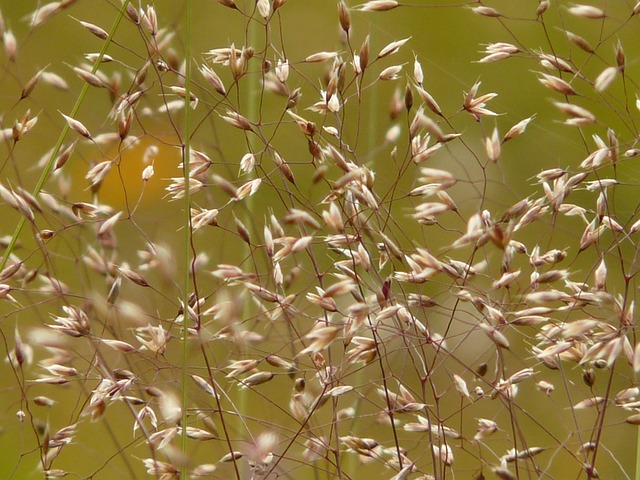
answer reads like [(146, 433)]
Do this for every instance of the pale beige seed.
[(620, 57), (149, 20), (518, 129), (506, 279), (54, 80), (633, 419), (586, 11), (338, 391), (10, 45), (284, 167), (344, 17), (553, 62), (557, 84), (204, 385), (429, 101), (44, 12), (240, 367), (158, 468), (461, 386), (418, 75), (95, 30), (44, 401), (444, 453), (264, 8), (494, 57), (255, 379), (486, 11), (545, 387), (301, 217), (579, 41), (213, 79), (485, 428), (492, 146), (108, 225), (543, 6), (91, 78), (358, 443), (589, 403), (378, 5), (600, 275), (228, 4), (576, 112), (77, 126), (390, 73), (605, 78), (282, 70), (476, 105), (513, 455), (31, 84), (236, 120), (321, 57), (321, 337), (496, 336), (501, 47), (392, 47), (119, 345)]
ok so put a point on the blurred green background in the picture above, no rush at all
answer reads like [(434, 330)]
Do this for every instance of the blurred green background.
[(448, 39)]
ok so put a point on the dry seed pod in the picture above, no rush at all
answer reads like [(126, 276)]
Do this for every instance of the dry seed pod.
[(77, 126), (213, 79), (236, 120), (321, 57), (620, 57), (543, 6), (54, 80), (89, 77), (264, 8), (586, 11), (344, 17), (10, 45), (44, 12), (392, 48), (364, 54), (486, 11), (95, 30), (390, 73), (497, 337), (579, 41), (229, 4), (284, 168), (557, 84), (255, 379), (378, 5), (492, 146), (30, 85), (606, 77), (518, 129)]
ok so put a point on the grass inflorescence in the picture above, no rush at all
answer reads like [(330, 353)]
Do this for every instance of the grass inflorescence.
[(269, 239)]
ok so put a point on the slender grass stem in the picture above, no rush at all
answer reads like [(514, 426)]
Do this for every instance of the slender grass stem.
[(48, 168), (188, 258)]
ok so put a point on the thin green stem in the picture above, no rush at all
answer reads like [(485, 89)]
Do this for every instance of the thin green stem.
[(186, 151), (46, 172), (250, 105)]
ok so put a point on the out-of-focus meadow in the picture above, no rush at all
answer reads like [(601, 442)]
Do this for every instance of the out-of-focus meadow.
[(434, 257)]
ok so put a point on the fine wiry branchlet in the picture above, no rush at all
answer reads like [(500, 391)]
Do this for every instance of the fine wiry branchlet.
[(277, 250)]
